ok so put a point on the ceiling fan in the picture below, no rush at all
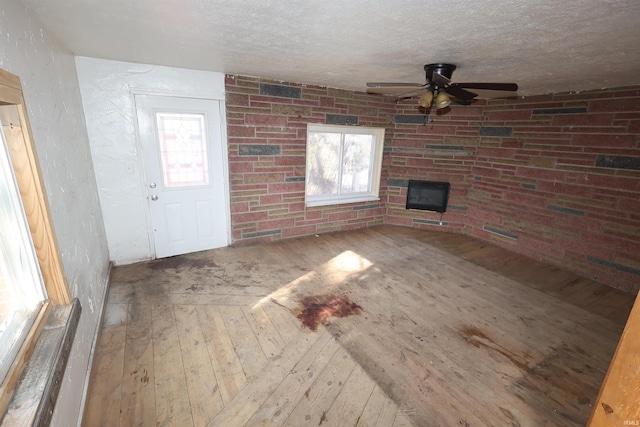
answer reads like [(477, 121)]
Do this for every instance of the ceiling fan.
[(439, 86)]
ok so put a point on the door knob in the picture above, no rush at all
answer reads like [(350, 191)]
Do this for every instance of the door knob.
[(152, 185), (154, 197)]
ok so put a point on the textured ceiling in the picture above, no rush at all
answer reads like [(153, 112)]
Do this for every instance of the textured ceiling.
[(544, 46)]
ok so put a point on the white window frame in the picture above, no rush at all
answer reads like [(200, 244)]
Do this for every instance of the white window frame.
[(375, 167)]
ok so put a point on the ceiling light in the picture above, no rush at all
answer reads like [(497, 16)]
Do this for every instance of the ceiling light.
[(426, 99), (442, 100)]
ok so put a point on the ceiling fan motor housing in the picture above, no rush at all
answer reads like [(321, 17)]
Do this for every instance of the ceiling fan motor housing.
[(445, 70)]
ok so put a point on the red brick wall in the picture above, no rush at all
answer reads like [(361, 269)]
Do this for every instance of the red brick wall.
[(266, 126), (442, 149), (553, 177), (562, 181)]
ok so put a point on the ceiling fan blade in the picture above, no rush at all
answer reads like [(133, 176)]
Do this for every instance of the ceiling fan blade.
[(489, 86), (460, 93), (411, 94), (439, 79), (385, 84)]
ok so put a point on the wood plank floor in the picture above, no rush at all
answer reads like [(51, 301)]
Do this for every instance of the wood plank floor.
[(438, 329)]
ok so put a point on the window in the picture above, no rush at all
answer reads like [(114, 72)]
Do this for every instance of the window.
[(184, 149), (343, 164), (31, 273), (21, 288)]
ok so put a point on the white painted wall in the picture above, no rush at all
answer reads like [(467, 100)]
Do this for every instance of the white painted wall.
[(108, 89), (48, 76)]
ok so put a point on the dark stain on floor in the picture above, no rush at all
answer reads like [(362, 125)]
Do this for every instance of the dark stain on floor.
[(477, 338), (180, 261), (319, 309)]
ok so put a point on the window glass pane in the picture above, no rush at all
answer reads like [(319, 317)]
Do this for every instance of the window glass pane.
[(324, 163), (21, 285), (183, 149), (356, 163)]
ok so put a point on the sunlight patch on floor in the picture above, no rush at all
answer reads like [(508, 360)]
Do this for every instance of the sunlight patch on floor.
[(324, 279)]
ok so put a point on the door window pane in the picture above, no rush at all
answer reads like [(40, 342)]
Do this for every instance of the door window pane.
[(183, 149)]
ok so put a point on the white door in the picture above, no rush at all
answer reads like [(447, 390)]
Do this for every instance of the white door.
[(184, 159)]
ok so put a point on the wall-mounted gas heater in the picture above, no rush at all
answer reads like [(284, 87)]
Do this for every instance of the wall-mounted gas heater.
[(428, 195)]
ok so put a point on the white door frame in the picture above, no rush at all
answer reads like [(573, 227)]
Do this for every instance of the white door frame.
[(140, 160)]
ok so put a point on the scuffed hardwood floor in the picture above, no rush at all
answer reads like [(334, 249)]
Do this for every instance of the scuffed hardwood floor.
[(452, 332)]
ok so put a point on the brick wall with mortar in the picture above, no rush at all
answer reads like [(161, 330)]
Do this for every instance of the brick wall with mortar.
[(266, 130), (434, 146), (557, 178), (554, 177)]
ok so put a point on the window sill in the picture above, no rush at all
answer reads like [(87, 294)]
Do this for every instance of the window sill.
[(343, 201), (35, 396)]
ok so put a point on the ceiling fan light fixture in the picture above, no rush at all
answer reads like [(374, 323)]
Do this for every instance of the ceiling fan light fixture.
[(442, 100), (440, 88), (426, 99)]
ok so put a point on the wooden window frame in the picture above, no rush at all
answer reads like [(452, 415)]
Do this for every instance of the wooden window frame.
[(26, 167)]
